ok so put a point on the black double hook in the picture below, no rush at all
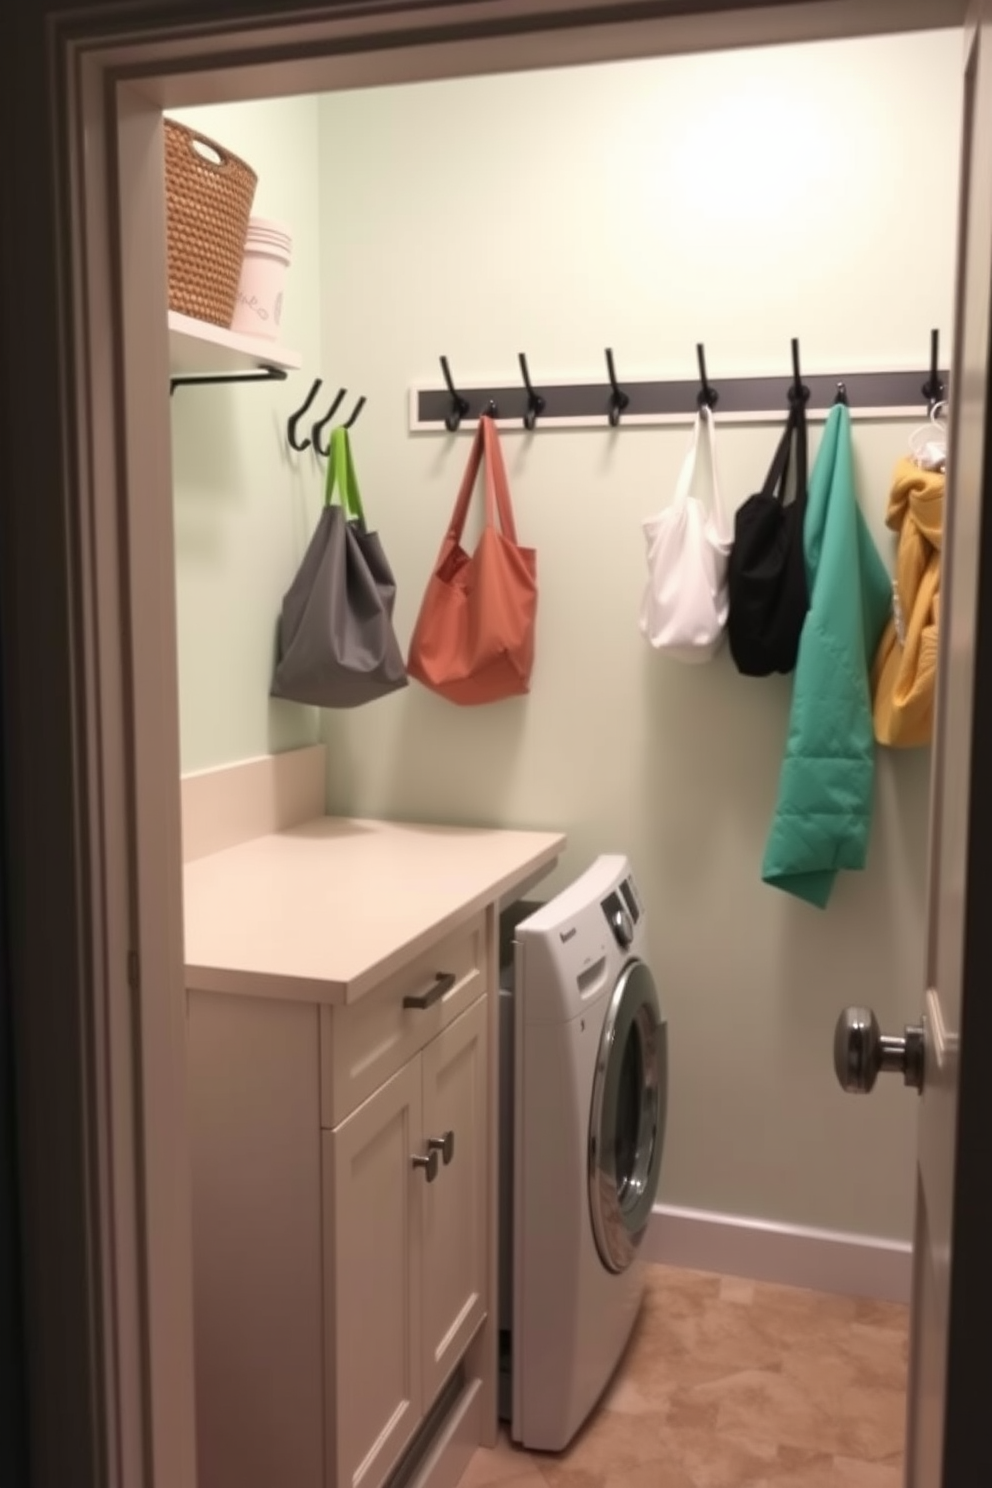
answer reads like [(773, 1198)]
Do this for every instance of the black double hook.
[(459, 405), (319, 428), (798, 392), (535, 403), (707, 397), (292, 426), (933, 388), (619, 400)]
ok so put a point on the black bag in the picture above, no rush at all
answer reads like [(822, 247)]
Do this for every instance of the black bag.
[(767, 570), (337, 647)]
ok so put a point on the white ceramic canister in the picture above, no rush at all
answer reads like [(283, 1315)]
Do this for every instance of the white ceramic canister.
[(268, 252)]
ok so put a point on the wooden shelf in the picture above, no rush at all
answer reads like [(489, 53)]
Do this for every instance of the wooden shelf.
[(199, 351)]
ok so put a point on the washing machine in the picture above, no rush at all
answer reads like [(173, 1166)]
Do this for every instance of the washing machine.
[(585, 1076)]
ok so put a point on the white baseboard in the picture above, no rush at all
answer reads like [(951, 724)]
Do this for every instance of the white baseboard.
[(823, 1260)]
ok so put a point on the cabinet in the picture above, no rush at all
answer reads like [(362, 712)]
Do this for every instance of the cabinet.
[(345, 1308), (405, 1247)]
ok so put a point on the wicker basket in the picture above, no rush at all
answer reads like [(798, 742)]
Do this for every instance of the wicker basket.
[(209, 202)]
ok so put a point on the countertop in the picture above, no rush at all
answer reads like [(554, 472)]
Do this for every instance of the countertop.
[(320, 912)]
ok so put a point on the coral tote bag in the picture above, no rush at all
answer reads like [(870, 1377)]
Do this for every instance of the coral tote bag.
[(474, 637)]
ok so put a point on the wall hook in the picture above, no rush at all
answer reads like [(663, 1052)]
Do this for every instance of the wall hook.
[(798, 393), (707, 397), (535, 403), (933, 388), (318, 428), (841, 394), (619, 400), (351, 421), (459, 405), (491, 410), (291, 426)]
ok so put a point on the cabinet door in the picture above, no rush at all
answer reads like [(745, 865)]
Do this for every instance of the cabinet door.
[(373, 1221), (454, 1228)]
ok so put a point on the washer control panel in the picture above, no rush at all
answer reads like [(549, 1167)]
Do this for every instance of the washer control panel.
[(622, 910)]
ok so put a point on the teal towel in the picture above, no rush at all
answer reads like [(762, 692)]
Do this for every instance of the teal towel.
[(823, 813)]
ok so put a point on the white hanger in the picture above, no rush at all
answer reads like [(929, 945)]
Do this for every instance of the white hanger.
[(928, 442)]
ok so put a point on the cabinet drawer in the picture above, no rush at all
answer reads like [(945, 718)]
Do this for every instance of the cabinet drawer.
[(361, 1046)]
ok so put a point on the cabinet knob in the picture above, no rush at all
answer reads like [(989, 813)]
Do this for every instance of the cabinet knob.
[(444, 1144), (428, 1163)]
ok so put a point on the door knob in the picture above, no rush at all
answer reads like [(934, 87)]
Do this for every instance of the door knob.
[(862, 1052), (428, 1163), (445, 1145)]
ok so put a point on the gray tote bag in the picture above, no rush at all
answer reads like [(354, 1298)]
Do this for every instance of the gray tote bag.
[(337, 647)]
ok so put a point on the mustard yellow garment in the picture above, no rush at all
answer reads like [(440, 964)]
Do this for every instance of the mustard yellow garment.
[(905, 668)]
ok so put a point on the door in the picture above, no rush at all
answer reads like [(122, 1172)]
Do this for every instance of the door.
[(627, 1122), (373, 1196), (948, 1441), (455, 1247)]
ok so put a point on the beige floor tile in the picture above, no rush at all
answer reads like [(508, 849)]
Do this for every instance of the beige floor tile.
[(501, 1464), (736, 1384), (736, 1289)]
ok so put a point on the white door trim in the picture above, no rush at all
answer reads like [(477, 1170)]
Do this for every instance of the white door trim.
[(119, 476)]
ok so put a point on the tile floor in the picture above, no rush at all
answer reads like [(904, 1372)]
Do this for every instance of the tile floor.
[(734, 1384)]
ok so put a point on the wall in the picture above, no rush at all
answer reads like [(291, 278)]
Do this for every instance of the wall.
[(737, 199), (244, 507)]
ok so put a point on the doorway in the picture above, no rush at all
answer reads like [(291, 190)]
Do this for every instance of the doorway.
[(155, 844)]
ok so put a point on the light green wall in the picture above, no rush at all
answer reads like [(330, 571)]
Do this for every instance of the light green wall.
[(244, 508), (738, 199)]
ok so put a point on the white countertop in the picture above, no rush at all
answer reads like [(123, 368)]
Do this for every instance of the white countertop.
[(320, 912)]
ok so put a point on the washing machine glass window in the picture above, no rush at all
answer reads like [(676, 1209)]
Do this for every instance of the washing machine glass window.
[(627, 1127)]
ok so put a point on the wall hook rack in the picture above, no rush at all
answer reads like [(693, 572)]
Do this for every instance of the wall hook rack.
[(535, 403), (459, 405), (619, 400), (579, 403), (322, 424)]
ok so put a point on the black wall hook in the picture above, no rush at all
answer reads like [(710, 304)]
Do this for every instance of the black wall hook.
[(798, 393), (350, 422), (490, 410), (707, 397), (535, 403), (459, 405), (319, 428), (841, 394), (618, 398), (291, 426), (933, 388)]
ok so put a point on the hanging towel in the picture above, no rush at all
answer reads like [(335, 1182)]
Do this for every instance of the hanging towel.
[(905, 669), (823, 813)]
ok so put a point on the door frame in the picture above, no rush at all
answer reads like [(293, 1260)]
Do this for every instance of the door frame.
[(123, 1050)]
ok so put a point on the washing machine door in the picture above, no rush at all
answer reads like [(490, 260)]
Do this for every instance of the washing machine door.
[(627, 1128)]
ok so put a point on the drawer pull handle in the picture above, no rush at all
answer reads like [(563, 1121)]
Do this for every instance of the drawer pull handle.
[(428, 1163), (445, 1145), (443, 982)]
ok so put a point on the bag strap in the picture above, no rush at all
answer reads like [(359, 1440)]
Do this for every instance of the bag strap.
[(686, 475), (724, 523), (485, 446), (497, 485), (341, 477), (778, 474)]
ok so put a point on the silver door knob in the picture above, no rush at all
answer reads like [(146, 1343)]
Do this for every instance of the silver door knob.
[(427, 1164), (445, 1145), (862, 1052)]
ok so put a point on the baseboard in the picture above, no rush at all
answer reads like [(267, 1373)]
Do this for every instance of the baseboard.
[(823, 1260)]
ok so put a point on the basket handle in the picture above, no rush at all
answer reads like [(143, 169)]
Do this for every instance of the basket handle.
[(223, 157)]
